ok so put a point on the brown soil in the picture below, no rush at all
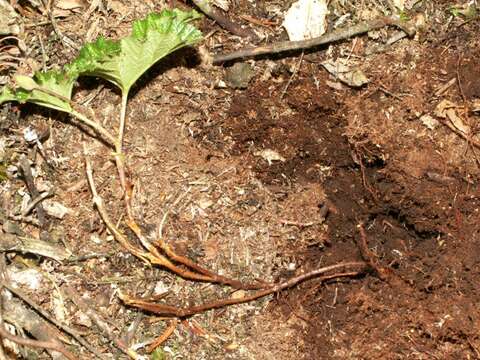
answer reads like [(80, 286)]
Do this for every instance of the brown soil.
[(347, 158)]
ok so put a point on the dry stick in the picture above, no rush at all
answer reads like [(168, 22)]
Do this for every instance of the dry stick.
[(460, 133), (23, 244), (21, 295), (162, 338), (168, 310), (80, 258), (50, 345), (36, 201), (3, 276), (28, 178), (223, 21), (101, 323), (337, 35), (293, 75)]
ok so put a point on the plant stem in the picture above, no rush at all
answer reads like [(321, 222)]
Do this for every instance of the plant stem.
[(84, 119), (121, 127), (96, 126), (119, 157)]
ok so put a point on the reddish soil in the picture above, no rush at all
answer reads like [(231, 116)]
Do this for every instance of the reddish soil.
[(419, 209)]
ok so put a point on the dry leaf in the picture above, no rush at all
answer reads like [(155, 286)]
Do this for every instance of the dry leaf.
[(69, 4), (447, 110), (429, 122), (222, 4), (269, 155), (9, 19), (352, 76), (476, 105), (306, 19)]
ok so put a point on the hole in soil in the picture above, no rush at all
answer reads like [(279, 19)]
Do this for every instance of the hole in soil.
[(307, 135)]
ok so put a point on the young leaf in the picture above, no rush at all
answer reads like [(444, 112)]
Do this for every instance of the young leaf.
[(51, 89), (123, 62)]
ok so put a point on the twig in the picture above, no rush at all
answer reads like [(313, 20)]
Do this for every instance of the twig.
[(57, 31), (223, 21), (460, 80), (3, 278), (162, 338), (50, 345), (25, 219), (445, 87), (168, 310), (460, 133), (300, 224), (32, 189), (80, 258), (167, 212), (37, 201), (73, 333), (297, 67), (334, 36), (101, 323)]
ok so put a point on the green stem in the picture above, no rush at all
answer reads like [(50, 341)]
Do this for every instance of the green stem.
[(121, 127), (119, 157), (84, 119), (96, 126)]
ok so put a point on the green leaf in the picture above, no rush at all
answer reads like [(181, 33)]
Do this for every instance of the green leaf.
[(6, 94), (52, 89), (120, 62), (123, 62)]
